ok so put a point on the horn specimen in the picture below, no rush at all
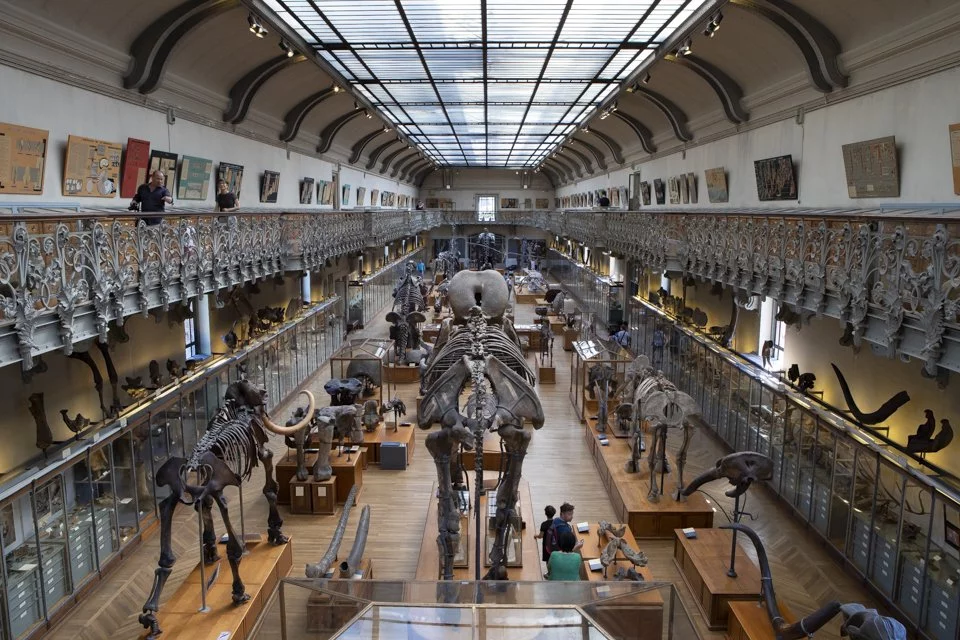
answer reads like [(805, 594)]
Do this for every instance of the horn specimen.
[(289, 431), (352, 563), (319, 569)]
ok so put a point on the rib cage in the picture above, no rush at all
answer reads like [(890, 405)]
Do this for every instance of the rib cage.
[(407, 298), (232, 438), (495, 342)]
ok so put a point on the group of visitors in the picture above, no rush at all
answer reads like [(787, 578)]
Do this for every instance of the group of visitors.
[(153, 197), (560, 544)]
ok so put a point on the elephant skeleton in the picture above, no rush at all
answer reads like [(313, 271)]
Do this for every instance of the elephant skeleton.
[(479, 350), (233, 445), (658, 401)]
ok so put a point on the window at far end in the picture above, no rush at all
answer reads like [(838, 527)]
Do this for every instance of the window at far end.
[(190, 337), (486, 208)]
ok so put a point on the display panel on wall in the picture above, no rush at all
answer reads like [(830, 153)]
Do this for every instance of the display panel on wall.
[(684, 193), (194, 180), (645, 193), (692, 187), (509, 203), (871, 168), (361, 194), (166, 163), (955, 156), (674, 190), (326, 192), (374, 197), (716, 184), (658, 188), (136, 160), (543, 203), (270, 186), (23, 155), (775, 179), (92, 168), (232, 174), (345, 195), (306, 191)]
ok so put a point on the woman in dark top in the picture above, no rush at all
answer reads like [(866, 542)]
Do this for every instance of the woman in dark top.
[(226, 201), (550, 511)]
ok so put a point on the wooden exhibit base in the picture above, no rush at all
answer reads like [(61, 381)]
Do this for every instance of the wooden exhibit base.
[(749, 620), (593, 543), (286, 470), (310, 496), (403, 435), (569, 337), (372, 440), (348, 468), (612, 430), (527, 298), (628, 493), (261, 570), (401, 375), (428, 565), (547, 375), (326, 614), (703, 562), (491, 453)]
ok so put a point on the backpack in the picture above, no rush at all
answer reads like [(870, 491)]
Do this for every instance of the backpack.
[(551, 540)]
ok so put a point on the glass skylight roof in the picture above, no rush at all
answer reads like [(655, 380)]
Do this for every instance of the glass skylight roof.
[(494, 83)]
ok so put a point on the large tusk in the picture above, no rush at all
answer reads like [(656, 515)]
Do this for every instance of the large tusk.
[(289, 431)]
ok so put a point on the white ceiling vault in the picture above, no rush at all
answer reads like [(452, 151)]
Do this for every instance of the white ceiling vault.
[(571, 88), (495, 83)]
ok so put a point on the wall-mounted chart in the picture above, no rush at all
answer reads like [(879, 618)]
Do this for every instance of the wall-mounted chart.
[(23, 154), (92, 169), (194, 180)]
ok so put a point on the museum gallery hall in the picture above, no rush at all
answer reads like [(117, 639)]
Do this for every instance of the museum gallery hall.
[(477, 319)]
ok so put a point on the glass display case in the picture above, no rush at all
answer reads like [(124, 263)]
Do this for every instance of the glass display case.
[(586, 355), (377, 609), (63, 525), (890, 518), (364, 359)]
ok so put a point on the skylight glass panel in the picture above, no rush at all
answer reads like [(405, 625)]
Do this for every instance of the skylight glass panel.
[(549, 65)]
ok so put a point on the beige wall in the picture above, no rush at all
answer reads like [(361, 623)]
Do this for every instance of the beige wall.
[(873, 380), (68, 384)]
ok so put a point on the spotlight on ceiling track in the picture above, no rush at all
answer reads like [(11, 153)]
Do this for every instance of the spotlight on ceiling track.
[(286, 48), (256, 28), (646, 79), (711, 29), (368, 114), (686, 49), (386, 128)]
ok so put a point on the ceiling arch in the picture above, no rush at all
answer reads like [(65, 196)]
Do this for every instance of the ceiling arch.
[(151, 50), (407, 174), (390, 157), (294, 118), (587, 163), (728, 91), (640, 129), (421, 175), (405, 161), (615, 150), (377, 152), (330, 131), (357, 149), (674, 115), (597, 154), (245, 89)]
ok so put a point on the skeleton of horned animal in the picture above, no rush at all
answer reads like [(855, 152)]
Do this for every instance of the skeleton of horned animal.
[(486, 356), (233, 445), (408, 305)]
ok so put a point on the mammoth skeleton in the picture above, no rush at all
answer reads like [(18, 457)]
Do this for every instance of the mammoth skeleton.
[(331, 424), (478, 349), (233, 445), (407, 313)]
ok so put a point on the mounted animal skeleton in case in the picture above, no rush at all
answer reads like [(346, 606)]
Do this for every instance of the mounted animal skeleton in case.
[(478, 348), (231, 448), (407, 313)]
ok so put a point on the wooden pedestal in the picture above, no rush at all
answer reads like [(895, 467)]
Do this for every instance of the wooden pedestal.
[(703, 562), (628, 493), (593, 545), (749, 620), (348, 468), (326, 614), (547, 375), (314, 497), (569, 337), (261, 570), (372, 440), (527, 298), (286, 470), (401, 375)]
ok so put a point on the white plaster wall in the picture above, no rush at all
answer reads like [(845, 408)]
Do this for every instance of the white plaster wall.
[(64, 110), (466, 184), (917, 113), (609, 180)]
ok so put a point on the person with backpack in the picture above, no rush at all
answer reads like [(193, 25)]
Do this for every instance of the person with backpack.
[(559, 526), (658, 342), (565, 562), (550, 511)]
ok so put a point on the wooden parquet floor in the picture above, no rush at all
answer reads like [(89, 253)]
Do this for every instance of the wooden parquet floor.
[(558, 468)]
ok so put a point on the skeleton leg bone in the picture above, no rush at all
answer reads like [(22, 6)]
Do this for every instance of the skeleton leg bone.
[(165, 565), (441, 446), (270, 488), (515, 441), (234, 549), (682, 460), (210, 554)]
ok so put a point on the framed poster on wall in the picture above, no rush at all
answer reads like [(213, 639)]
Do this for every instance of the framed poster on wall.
[(374, 197), (193, 182), (645, 193), (361, 194), (955, 156), (659, 191), (306, 191), (692, 187), (136, 160), (270, 186), (775, 179), (166, 163), (92, 169), (543, 203), (871, 168), (232, 174), (23, 155), (345, 195), (716, 184)]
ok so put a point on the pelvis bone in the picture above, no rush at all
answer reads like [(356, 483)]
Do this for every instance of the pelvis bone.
[(485, 289)]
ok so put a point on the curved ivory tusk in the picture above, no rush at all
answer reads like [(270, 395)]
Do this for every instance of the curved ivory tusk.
[(289, 431)]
